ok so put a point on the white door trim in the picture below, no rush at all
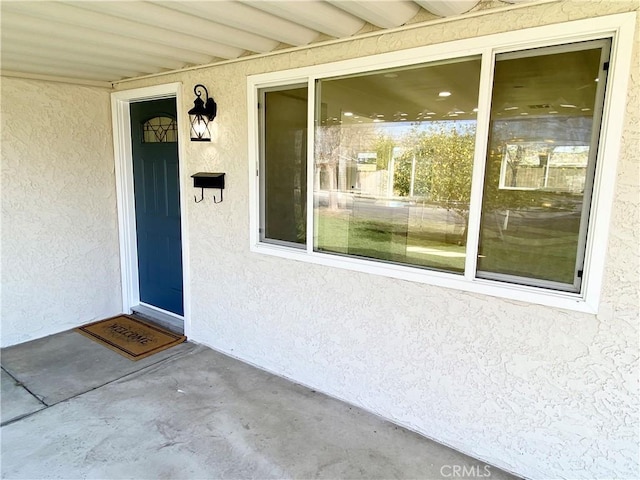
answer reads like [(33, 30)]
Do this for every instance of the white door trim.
[(125, 195)]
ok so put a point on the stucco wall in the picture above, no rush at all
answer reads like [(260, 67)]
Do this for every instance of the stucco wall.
[(60, 264), (541, 392)]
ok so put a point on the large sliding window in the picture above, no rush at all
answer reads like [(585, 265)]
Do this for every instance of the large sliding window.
[(478, 171)]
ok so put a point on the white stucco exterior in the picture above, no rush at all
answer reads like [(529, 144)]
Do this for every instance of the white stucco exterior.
[(542, 392), (539, 391), (60, 264)]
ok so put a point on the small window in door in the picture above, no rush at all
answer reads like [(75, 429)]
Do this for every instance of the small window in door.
[(160, 130)]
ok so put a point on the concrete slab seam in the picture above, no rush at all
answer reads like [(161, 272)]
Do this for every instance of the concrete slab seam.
[(18, 383)]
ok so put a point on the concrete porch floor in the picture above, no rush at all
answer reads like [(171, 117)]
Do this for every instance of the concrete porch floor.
[(74, 409)]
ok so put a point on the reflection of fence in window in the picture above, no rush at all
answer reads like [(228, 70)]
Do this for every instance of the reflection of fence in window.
[(566, 178), (536, 166), (524, 177), (372, 182)]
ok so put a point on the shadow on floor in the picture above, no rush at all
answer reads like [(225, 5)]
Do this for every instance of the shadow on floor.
[(74, 409)]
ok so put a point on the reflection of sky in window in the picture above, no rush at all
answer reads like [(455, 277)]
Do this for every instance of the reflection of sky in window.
[(561, 131), (570, 155), (400, 129), (571, 149)]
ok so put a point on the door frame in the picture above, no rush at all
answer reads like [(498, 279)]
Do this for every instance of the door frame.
[(121, 122)]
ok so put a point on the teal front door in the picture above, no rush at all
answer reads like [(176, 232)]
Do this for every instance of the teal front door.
[(154, 139)]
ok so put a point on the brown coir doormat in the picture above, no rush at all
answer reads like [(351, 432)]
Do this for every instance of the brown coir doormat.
[(130, 337)]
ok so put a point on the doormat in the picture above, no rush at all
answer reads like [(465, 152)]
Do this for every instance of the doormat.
[(130, 337)]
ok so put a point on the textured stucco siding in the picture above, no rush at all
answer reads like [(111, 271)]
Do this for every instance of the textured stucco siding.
[(60, 257), (542, 392)]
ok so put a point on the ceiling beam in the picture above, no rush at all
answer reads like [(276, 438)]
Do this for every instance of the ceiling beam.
[(314, 14), (56, 78), (244, 17), (176, 22), (18, 41), (48, 29), (52, 57), (78, 17), (58, 71), (447, 8), (17, 61), (383, 14)]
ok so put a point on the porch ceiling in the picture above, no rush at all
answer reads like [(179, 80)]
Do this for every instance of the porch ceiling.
[(107, 41)]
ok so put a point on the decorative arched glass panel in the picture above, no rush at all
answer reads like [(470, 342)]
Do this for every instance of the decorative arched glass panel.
[(160, 130)]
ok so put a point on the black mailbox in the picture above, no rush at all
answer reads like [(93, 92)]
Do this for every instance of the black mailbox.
[(204, 180), (208, 180)]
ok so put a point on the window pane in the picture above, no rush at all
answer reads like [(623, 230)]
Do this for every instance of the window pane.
[(160, 130), (539, 174), (393, 161), (284, 165)]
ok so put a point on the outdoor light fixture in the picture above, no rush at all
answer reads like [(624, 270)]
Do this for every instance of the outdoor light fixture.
[(202, 113)]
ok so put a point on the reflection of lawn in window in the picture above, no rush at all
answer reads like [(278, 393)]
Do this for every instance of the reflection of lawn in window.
[(529, 249), (544, 251), (393, 241)]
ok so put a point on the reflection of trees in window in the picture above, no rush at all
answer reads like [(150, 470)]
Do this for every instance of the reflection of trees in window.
[(327, 155), (436, 167), (431, 164)]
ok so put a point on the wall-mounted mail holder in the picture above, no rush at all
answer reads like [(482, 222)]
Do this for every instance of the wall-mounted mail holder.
[(204, 180)]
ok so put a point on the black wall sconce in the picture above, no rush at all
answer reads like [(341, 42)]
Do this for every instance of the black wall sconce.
[(202, 113), (204, 180)]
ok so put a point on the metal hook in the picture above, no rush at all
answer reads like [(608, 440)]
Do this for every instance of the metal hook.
[(221, 197), (195, 197)]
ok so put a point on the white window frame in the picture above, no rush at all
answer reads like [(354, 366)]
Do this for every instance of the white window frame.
[(619, 28)]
